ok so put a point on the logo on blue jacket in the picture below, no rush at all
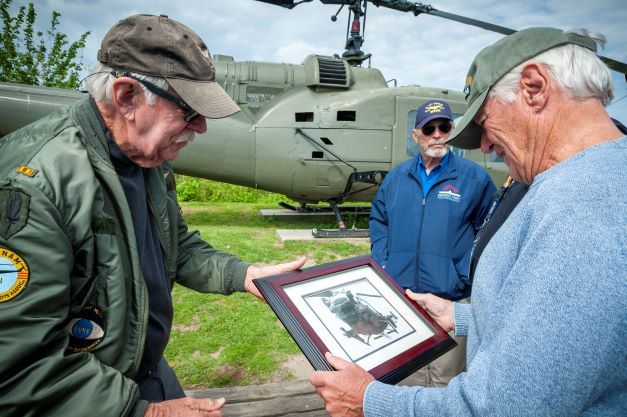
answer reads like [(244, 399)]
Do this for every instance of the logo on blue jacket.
[(450, 192)]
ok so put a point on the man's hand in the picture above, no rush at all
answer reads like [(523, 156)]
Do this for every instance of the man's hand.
[(186, 407), (440, 309), (342, 390), (258, 271)]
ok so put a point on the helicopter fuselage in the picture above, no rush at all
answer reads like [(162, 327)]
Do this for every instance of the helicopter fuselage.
[(303, 129)]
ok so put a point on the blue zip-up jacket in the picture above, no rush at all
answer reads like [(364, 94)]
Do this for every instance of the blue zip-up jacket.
[(425, 245)]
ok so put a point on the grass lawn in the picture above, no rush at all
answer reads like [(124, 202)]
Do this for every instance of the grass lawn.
[(237, 340)]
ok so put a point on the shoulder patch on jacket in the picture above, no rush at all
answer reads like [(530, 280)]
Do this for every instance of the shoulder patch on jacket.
[(14, 209), (14, 275)]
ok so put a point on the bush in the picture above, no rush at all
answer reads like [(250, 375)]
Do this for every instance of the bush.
[(196, 189)]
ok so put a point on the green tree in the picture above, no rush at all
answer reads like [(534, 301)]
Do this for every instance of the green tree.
[(30, 57)]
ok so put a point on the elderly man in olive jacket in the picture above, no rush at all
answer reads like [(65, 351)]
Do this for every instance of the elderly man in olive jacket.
[(92, 238)]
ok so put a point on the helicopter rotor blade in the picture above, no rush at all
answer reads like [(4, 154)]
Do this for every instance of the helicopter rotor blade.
[(327, 293), (473, 22), (420, 8), (368, 295), (615, 65), (288, 4)]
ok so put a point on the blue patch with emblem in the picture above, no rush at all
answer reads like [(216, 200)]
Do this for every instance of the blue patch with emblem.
[(86, 329)]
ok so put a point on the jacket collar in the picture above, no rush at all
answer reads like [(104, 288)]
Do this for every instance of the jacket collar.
[(89, 119)]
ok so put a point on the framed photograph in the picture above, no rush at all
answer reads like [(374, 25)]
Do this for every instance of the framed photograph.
[(354, 310)]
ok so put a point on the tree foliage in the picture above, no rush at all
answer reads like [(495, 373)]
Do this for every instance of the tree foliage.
[(32, 57)]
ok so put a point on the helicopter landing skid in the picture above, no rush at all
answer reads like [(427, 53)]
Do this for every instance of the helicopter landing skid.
[(304, 209), (340, 233)]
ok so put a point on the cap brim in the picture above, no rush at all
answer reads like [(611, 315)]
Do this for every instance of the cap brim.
[(467, 133), (435, 116), (206, 97)]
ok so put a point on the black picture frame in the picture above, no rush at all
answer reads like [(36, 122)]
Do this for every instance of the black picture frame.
[(354, 309)]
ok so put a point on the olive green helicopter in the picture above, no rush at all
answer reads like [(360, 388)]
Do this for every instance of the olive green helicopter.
[(327, 130)]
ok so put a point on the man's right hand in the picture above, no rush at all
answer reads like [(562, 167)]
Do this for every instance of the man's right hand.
[(186, 407), (439, 308)]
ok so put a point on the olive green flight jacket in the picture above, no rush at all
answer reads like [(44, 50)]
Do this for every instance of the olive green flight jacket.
[(68, 252)]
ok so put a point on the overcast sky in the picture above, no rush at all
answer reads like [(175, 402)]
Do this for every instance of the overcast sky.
[(424, 50)]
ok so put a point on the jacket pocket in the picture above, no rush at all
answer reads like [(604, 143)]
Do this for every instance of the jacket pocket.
[(438, 275), (402, 268)]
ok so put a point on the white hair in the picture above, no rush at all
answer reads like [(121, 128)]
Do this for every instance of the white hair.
[(100, 83), (577, 70)]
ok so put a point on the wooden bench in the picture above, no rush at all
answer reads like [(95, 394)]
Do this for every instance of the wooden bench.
[(294, 398)]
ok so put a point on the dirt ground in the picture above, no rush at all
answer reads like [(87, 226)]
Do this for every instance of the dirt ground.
[(296, 367)]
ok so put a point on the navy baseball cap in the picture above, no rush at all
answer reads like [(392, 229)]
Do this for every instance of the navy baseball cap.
[(432, 109)]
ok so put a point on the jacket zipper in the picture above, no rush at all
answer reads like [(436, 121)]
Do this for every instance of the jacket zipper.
[(443, 177)]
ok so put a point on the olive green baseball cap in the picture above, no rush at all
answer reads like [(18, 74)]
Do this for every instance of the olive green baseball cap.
[(162, 47), (495, 61)]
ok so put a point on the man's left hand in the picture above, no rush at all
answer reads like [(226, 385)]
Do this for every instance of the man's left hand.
[(258, 271), (342, 390)]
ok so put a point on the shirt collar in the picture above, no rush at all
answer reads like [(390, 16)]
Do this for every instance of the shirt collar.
[(443, 163)]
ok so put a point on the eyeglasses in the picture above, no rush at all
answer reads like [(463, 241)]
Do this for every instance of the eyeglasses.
[(189, 114), (429, 129)]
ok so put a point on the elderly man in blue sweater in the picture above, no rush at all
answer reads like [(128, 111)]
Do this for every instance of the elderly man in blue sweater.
[(547, 327)]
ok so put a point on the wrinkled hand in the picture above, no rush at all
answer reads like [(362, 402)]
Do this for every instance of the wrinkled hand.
[(342, 390), (439, 308), (258, 271), (186, 407)]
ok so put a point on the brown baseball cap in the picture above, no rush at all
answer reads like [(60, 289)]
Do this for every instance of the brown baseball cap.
[(162, 47)]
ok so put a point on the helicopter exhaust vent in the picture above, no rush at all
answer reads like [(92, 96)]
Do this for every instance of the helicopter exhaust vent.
[(322, 71)]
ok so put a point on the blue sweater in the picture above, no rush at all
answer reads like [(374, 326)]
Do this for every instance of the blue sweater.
[(425, 244), (547, 330)]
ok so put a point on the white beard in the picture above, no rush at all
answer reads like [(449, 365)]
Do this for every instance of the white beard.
[(435, 153)]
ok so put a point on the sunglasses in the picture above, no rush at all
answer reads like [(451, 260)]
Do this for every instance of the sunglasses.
[(429, 129), (189, 114)]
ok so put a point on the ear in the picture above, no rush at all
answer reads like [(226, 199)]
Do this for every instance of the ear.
[(124, 90), (534, 86), (414, 135)]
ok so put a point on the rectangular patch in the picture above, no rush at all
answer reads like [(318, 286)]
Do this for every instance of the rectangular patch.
[(29, 172), (103, 226)]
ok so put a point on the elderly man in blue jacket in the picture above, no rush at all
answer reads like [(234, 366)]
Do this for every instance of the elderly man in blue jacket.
[(424, 219)]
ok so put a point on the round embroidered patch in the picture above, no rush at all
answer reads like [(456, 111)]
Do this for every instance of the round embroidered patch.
[(14, 275), (86, 329)]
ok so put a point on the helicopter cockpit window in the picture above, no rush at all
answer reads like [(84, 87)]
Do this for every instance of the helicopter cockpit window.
[(413, 149)]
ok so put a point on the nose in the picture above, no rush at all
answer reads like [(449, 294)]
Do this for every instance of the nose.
[(486, 145), (198, 125)]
